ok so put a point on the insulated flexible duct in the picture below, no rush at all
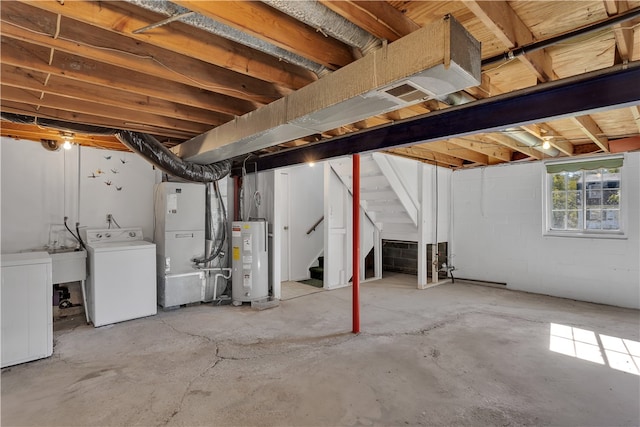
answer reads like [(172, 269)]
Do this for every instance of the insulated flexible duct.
[(158, 155), (145, 145)]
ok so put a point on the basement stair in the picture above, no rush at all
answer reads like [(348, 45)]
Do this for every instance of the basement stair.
[(317, 272), (383, 195)]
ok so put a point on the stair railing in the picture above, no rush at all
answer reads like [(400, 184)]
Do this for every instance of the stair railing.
[(314, 226)]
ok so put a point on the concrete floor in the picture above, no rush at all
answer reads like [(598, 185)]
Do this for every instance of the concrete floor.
[(456, 354)]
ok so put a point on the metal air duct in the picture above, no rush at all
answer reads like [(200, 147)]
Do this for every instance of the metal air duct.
[(529, 140), (431, 62), (328, 22), (145, 145), (214, 27)]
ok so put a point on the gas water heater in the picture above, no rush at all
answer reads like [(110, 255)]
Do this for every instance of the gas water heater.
[(250, 261)]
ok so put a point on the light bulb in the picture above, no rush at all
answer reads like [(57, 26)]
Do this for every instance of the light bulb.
[(66, 145), (546, 145), (311, 164)]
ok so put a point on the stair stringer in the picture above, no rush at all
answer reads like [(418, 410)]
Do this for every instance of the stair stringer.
[(407, 199), (338, 229)]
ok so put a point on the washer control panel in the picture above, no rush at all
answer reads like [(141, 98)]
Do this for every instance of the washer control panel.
[(113, 235)]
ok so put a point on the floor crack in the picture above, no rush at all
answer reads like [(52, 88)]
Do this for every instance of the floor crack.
[(187, 389), (188, 333)]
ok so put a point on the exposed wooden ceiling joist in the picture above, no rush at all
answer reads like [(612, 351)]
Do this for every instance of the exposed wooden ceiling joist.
[(180, 38), (593, 131), (507, 26), (56, 85), (377, 17), (507, 141), (33, 57), (79, 61), (484, 146), (80, 39), (444, 147)]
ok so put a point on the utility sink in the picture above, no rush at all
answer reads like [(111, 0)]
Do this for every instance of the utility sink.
[(68, 265)]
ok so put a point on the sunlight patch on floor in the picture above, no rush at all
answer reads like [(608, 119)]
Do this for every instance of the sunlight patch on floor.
[(617, 353)]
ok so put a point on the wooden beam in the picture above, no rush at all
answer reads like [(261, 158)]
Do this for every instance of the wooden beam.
[(88, 119), (424, 154), (486, 147), (635, 112), (123, 19), (56, 85), (453, 150), (506, 25), (271, 25), (592, 130), (95, 108), (32, 57), (377, 17), (89, 42), (514, 145), (623, 32)]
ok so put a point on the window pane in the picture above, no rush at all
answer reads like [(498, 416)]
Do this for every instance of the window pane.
[(611, 198), (594, 198), (593, 176), (574, 220), (613, 172), (574, 199), (574, 180), (611, 220), (594, 219), (557, 220), (559, 200), (610, 182), (585, 199), (558, 182)]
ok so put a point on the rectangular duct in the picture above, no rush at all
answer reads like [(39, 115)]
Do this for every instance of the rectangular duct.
[(434, 61)]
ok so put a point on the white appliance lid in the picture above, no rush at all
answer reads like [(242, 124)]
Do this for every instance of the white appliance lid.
[(121, 246)]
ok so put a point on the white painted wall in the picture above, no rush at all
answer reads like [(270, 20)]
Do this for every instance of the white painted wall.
[(498, 236), (39, 188), (307, 206)]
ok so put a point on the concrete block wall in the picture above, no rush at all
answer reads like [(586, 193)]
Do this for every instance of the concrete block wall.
[(498, 235), (400, 257)]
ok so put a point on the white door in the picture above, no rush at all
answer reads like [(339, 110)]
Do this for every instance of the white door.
[(285, 242)]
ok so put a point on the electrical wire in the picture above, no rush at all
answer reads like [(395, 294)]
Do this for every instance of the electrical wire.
[(114, 221)]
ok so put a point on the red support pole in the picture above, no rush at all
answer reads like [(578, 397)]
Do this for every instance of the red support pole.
[(356, 243)]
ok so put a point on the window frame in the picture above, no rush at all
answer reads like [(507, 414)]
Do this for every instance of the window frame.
[(547, 212)]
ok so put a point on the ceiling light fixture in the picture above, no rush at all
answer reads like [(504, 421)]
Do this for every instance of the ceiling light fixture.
[(546, 144), (68, 137)]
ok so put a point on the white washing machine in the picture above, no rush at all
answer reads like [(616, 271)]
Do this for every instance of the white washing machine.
[(121, 282)]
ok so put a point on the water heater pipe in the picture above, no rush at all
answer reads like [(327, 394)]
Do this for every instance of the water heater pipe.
[(356, 243)]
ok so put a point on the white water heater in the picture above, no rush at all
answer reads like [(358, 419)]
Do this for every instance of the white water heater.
[(250, 261)]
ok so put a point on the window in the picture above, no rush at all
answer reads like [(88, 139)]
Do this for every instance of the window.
[(584, 197)]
